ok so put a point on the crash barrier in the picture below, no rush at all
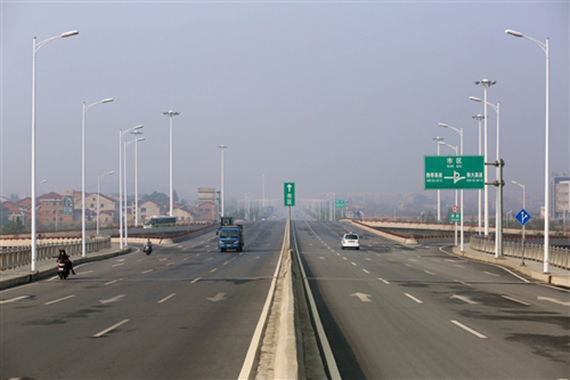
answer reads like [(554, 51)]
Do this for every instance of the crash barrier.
[(22, 255), (559, 257), (403, 239)]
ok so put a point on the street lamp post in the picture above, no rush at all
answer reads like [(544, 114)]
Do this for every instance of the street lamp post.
[(456, 149), (99, 195), (546, 49), (121, 134), (125, 146), (136, 133), (437, 140), (460, 132), (524, 207), (35, 48), (479, 117), (485, 83), (85, 109), (498, 216), (171, 114), (222, 147)]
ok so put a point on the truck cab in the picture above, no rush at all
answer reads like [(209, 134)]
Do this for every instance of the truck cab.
[(230, 235)]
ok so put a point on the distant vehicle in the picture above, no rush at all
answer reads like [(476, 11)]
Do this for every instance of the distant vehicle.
[(230, 235), (160, 221), (350, 240)]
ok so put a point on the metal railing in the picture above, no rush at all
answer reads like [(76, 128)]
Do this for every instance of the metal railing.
[(559, 257), (22, 255)]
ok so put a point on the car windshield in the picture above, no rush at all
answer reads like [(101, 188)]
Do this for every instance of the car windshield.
[(351, 237)]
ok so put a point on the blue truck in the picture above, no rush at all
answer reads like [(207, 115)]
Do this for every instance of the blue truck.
[(230, 235)]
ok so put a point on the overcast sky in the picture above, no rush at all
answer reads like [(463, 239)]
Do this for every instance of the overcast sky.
[(334, 96)]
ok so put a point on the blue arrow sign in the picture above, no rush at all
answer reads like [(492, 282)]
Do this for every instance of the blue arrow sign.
[(523, 217)]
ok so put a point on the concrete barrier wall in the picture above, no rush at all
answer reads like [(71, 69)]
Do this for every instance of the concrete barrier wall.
[(388, 235)]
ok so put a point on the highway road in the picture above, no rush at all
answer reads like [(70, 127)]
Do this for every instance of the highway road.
[(416, 312), (186, 311)]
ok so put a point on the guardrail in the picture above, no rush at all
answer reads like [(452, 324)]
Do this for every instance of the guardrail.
[(22, 255), (559, 257)]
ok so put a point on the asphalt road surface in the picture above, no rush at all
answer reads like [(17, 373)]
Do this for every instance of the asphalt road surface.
[(401, 312), (186, 311)]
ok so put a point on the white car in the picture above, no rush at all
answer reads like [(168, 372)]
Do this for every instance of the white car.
[(350, 240)]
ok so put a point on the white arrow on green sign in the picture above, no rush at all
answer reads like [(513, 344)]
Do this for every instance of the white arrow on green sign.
[(454, 172), (289, 193)]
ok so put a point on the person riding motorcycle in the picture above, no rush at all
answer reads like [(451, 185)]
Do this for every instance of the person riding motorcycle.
[(63, 258), (147, 247)]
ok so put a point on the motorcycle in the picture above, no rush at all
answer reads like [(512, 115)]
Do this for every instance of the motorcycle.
[(147, 249), (62, 269)]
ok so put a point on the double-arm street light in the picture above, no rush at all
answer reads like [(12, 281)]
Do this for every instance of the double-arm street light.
[(35, 48), (121, 134), (171, 114), (437, 140), (546, 49), (125, 146), (460, 132), (99, 195), (485, 83), (83, 237)]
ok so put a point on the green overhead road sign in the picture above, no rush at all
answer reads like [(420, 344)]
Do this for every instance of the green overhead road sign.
[(454, 172), (289, 193), (455, 217), (339, 203)]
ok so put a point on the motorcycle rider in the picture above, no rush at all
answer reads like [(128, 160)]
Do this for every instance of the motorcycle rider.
[(148, 246), (65, 259)]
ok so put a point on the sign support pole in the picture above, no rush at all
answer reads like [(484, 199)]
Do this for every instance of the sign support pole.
[(499, 220)]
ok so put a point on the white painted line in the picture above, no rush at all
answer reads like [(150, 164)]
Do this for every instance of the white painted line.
[(213, 270), (18, 287), (186, 259), (458, 266), (59, 300), (428, 272), (365, 271), (164, 259), (110, 328), (196, 280), (322, 258), (413, 298), (2, 302), (167, 298), (516, 300), (492, 274), (408, 265), (464, 299), (384, 281), (170, 264), (463, 283), (111, 282), (413, 260), (80, 273), (226, 263), (368, 258), (117, 265), (554, 300), (147, 271), (353, 263), (477, 334), (345, 258)]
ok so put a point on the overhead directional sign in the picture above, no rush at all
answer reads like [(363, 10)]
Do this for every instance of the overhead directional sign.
[(454, 172), (339, 203), (289, 193), (523, 217)]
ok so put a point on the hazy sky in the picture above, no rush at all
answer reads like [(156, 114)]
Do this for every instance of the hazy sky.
[(336, 96)]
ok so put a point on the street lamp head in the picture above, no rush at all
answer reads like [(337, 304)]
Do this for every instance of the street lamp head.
[(171, 113), (485, 83), (69, 34), (108, 100), (111, 172), (513, 33), (438, 139), (141, 138), (478, 117), (475, 100), (222, 146), (443, 125)]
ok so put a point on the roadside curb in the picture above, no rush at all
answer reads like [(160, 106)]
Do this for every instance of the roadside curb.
[(563, 281)]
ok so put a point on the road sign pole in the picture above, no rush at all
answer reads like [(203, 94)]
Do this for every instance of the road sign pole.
[(499, 183)]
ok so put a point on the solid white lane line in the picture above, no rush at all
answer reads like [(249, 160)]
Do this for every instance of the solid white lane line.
[(413, 298), (196, 280), (516, 300), (18, 287), (110, 328), (554, 300), (2, 302), (477, 334), (59, 300), (365, 271), (492, 274), (167, 298)]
